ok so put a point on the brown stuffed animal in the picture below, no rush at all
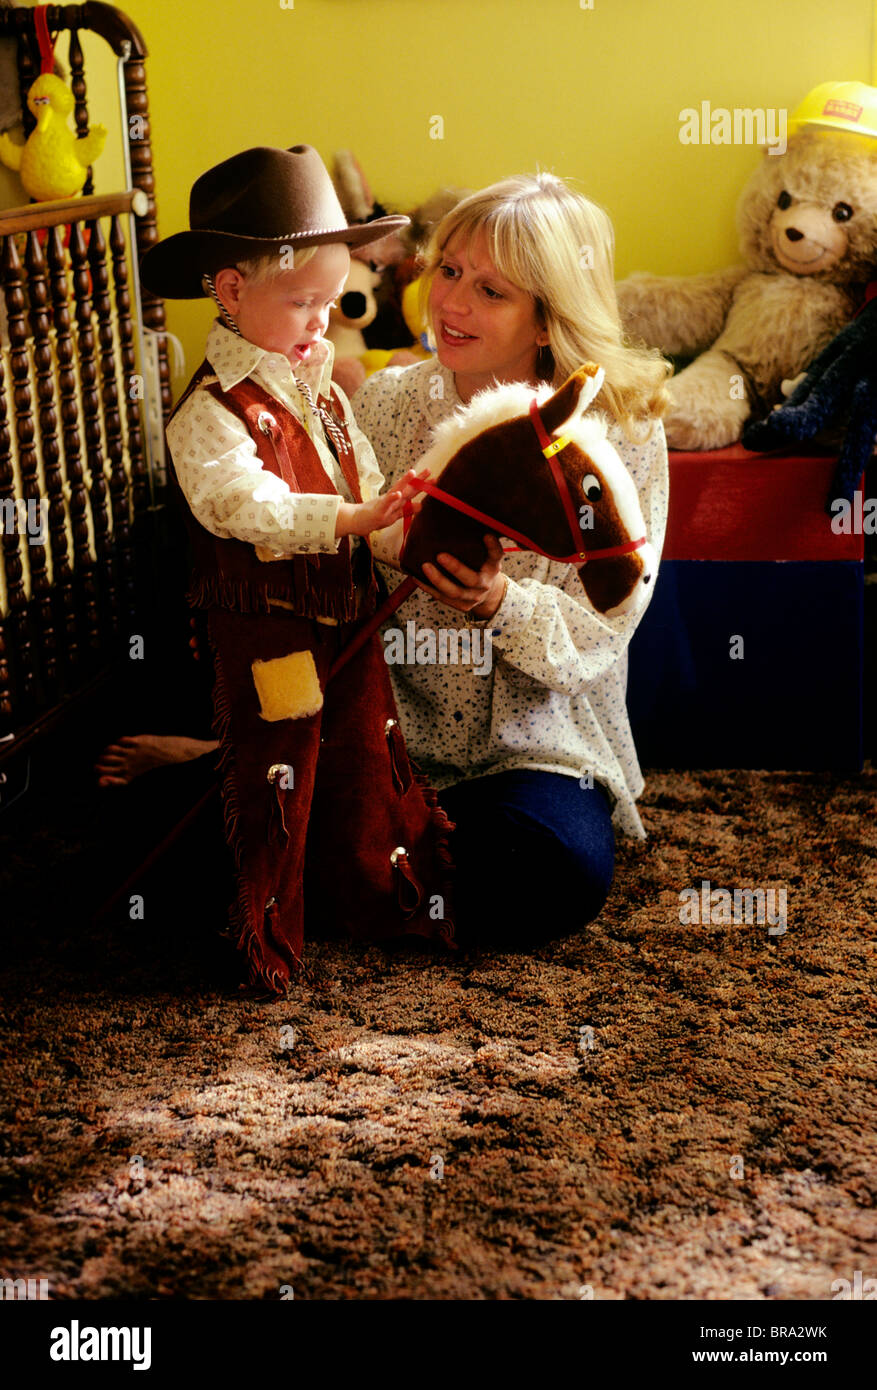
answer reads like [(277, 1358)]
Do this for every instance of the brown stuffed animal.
[(807, 222), (355, 309)]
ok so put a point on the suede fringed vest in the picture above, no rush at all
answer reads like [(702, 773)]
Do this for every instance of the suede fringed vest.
[(228, 573)]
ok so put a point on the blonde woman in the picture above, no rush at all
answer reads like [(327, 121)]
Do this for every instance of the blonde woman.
[(533, 757)]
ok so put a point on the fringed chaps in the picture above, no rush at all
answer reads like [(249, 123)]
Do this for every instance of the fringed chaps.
[(328, 820)]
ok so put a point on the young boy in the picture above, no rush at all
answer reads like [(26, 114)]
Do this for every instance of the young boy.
[(321, 804)]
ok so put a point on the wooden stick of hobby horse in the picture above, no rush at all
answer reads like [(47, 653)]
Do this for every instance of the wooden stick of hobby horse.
[(369, 628), (155, 854)]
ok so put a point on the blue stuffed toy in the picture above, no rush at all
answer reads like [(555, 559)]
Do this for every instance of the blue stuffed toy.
[(841, 383)]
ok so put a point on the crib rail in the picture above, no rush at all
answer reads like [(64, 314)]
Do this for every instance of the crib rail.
[(74, 472), (73, 478), (66, 210)]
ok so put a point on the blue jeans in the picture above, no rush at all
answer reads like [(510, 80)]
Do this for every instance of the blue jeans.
[(535, 853)]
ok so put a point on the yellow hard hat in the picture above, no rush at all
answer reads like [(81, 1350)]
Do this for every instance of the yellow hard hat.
[(839, 106)]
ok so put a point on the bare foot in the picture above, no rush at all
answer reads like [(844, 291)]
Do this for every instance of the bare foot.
[(135, 754)]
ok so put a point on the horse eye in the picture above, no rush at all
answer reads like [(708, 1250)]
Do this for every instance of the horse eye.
[(591, 487)]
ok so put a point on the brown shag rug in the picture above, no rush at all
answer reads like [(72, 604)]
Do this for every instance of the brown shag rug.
[(648, 1110)]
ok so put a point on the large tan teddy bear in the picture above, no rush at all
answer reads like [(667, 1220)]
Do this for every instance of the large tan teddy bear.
[(807, 222)]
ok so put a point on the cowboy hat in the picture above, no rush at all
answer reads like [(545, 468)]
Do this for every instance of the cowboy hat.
[(259, 201)]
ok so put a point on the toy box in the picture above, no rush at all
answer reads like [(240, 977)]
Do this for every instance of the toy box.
[(750, 654)]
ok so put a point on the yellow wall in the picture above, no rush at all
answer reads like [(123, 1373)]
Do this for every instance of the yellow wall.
[(594, 94)]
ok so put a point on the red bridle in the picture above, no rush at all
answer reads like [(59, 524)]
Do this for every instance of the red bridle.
[(550, 448)]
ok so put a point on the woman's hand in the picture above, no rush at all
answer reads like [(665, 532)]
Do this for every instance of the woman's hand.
[(478, 592)]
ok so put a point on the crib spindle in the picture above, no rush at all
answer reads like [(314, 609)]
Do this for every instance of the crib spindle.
[(5, 684), (27, 59), (83, 563), (118, 481), (16, 663), (53, 482), (97, 484), (131, 383), (78, 88), (28, 464), (140, 149)]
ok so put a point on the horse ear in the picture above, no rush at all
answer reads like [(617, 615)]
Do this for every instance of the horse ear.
[(573, 397)]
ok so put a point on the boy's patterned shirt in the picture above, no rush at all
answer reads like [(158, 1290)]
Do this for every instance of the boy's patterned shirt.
[(554, 698), (219, 470)]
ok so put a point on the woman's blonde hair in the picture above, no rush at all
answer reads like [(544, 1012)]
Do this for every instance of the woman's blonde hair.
[(559, 247)]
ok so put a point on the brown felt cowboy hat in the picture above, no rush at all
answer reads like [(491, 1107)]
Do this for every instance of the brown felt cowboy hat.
[(256, 202)]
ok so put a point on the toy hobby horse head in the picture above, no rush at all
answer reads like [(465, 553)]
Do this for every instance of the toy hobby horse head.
[(530, 465)]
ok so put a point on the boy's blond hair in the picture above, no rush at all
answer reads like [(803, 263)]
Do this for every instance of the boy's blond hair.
[(559, 247), (261, 269)]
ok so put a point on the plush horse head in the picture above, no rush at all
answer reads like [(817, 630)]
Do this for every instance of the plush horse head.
[(569, 498)]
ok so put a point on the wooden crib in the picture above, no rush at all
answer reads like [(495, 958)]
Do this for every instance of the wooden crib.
[(83, 392)]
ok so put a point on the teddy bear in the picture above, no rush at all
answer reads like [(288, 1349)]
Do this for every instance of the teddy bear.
[(400, 321), (382, 293), (807, 225), (355, 310)]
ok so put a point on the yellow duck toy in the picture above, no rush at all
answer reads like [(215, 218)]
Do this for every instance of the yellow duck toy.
[(52, 163)]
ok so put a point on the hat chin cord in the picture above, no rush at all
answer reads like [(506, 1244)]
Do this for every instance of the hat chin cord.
[(226, 317)]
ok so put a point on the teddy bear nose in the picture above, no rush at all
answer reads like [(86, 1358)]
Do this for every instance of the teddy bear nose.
[(793, 234), (353, 304)]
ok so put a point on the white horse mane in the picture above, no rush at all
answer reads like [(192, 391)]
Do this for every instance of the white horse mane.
[(497, 404)]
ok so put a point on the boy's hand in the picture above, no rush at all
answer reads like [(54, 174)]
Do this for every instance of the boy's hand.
[(359, 518)]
